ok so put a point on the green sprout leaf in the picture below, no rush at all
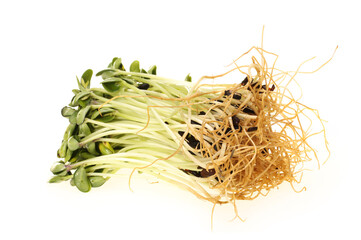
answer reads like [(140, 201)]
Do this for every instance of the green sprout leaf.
[(74, 159), (69, 131), (57, 179), (83, 95), (112, 84), (109, 71), (134, 67), (105, 148), (67, 111), (84, 130), (81, 180), (86, 77), (101, 111), (112, 62), (68, 155), (73, 144), (86, 155), (96, 181), (153, 70), (91, 147), (81, 115), (72, 118), (106, 117), (57, 167), (63, 148), (118, 64)]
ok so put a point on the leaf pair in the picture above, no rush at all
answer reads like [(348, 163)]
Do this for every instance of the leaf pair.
[(85, 183)]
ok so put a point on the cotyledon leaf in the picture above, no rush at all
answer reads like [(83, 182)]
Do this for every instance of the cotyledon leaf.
[(81, 95), (86, 77), (134, 67), (109, 71), (57, 167), (72, 118), (67, 111), (153, 70), (101, 111), (81, 180), (81, 115), (91, 147), (105, 148), (69, 131), (84, 130), (73, 144), (96, 181)]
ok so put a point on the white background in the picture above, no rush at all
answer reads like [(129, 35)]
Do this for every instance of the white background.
[(45, 44)]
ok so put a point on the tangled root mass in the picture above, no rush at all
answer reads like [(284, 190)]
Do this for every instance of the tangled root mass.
[(252, 133)]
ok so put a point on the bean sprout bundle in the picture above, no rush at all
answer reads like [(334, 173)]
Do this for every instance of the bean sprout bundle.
[(221, 142)]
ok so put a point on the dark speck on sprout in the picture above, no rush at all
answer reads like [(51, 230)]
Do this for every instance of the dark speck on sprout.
[(143, 86)]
